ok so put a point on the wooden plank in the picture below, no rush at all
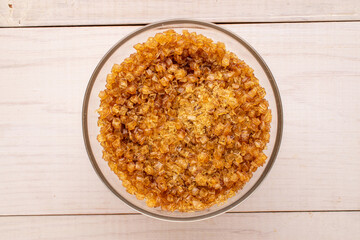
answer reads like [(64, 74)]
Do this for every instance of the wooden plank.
[(44, 168), (93, 12), (339, 225)]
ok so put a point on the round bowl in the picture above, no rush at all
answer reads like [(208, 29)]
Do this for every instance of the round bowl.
[(123, 49)]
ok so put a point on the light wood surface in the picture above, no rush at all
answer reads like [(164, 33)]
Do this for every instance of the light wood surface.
[(45, 168), (94, 12), (246, 226), (48, 189)]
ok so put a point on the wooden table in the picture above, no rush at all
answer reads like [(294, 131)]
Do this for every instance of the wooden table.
[(48, 50)]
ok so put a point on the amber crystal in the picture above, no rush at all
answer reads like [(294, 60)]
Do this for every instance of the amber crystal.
[(183, 122)]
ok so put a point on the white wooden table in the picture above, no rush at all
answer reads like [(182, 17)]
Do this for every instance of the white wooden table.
[(48, 50)]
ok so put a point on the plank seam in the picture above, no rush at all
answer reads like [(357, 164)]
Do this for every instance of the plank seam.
[(129, 214), (220, 23)]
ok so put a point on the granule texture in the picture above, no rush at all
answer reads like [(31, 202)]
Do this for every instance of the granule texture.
[(183, 122)]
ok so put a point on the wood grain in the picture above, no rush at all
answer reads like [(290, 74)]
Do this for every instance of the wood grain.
[(44, 168), (254, 226), (94, 12)]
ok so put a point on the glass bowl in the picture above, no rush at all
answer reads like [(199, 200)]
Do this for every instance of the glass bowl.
[(123, 49)]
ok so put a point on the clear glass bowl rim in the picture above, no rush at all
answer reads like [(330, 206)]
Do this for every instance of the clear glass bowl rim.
[(279, 113)]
